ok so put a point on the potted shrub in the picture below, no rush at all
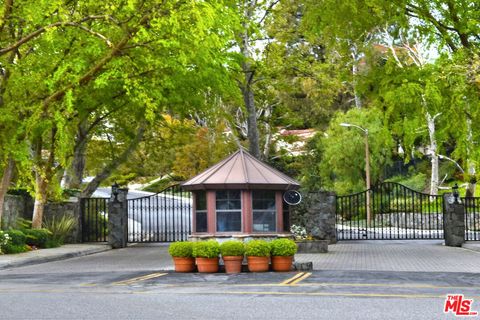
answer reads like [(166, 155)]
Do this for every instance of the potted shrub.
[(258, 254), (206, 255), (232, 253), (181, 253), (282, 252)]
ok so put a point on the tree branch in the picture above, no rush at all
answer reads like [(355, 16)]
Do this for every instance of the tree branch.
[(41, 30), (90, 74), (107, 171), (6, 14)]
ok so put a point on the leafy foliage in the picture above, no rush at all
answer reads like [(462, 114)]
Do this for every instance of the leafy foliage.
[(4, 240), (60, 229), (206, 249), (232, 248), (339, 156), (181, 249), (283, 247), (37, 237), (257, 248)]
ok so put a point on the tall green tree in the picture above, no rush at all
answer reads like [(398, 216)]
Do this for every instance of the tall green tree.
[(71, 56)]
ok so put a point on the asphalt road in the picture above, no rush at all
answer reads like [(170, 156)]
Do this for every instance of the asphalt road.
[(76, 289)]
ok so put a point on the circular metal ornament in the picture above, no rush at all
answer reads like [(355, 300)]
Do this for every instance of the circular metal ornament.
[(292, 197)]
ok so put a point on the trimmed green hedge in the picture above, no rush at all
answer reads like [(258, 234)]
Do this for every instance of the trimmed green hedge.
[(257, 248), (283, 247), (232, 248), (206, 249), (181, 249)]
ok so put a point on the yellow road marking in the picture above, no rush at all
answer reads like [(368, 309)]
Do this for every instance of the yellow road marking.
[(138, 279), (274, 293), (298, 275), (329, 294), (426, 286), (305, 276)]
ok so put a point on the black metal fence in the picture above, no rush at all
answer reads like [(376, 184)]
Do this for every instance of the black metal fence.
[(472, 218), (389, 211), (162, 217), (94, 212)]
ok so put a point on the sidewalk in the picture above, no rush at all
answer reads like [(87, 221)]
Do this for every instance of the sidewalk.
[(47, 255), (401, 256), (472, 245), (412, 256)]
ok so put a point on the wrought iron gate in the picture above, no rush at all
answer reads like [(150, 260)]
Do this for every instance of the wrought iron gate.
[(94, 213), (395, 212), (162, 217), (472, 218)]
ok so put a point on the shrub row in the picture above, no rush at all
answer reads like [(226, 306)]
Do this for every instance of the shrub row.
[(211, 248)]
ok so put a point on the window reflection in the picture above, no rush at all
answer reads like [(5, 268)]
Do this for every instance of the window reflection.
[(264, 211), (229, 210)]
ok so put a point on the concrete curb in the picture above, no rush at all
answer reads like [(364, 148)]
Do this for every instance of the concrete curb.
[(26, 261)]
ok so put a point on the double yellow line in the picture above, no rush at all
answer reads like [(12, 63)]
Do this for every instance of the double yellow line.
[(138, 279), (296, 278)]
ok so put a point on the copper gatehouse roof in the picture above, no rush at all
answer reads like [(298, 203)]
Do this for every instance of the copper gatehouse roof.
[(241, 170)]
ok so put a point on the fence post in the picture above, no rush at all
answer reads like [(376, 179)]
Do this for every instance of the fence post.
[(453, 220), (118, 218)]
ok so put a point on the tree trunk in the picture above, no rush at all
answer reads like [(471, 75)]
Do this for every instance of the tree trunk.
[(268, 133), (253, 139), (107, 171), (472, 180), (433, 153), (246, 86), (40, 200), (44, 172), (5, 183), (358, 100), (74, 173)]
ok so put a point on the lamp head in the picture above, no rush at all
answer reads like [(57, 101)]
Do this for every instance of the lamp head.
[(115, 190)]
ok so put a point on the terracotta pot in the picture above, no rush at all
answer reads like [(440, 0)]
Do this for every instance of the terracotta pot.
[(184, 264), (282, 264), (207, 265), (258, 264), (233, 264)]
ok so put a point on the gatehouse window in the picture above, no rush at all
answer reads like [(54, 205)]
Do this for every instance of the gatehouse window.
[(229, 210), (201, 211), (264, 211)]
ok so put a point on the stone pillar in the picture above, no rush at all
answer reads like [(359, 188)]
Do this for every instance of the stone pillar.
[(317, 214), (453, 221), (118, 219)]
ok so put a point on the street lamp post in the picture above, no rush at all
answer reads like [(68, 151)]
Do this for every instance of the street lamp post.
[(367, 166)]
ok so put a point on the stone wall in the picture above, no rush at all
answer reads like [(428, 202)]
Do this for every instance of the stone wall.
[(56, 210), (16, 207), (410, 220), (316, 213)]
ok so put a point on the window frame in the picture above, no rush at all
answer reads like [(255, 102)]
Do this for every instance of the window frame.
[(274, 211), (240, 210), (205, 211)]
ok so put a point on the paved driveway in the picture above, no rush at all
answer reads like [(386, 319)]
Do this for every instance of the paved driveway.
[(414, 256), (354, 280), (408, 255)]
